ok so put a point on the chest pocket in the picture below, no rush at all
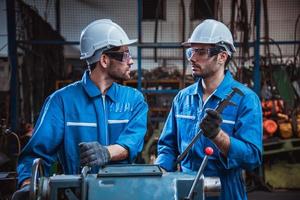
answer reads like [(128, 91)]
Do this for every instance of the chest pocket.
[(118, 119), (186, 121)]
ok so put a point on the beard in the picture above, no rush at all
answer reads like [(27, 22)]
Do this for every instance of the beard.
[(202, 72), (118, 74)]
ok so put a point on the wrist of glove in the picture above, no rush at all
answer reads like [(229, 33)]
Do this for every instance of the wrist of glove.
[(93, 154), (211, 123), (22, 194)]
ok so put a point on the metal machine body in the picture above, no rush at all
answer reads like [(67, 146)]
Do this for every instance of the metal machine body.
[(126, 182)]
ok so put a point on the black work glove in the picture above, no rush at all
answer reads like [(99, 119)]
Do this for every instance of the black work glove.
[(93, 154), (22, 194), (210, 124)]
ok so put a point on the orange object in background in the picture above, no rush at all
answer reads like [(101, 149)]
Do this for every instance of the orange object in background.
[(270, 127), (286, 130), (272, 107)]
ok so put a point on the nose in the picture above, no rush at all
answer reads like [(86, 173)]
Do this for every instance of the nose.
[(130, 61), (192, 59)]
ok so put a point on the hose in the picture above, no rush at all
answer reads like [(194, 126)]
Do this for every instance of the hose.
[(9, 132)]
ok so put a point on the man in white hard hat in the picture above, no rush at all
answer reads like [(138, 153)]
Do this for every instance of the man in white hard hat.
[(94, 121), (235, 134)]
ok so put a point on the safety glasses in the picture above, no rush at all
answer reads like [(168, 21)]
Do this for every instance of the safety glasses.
[(123, 56), (200, 52)]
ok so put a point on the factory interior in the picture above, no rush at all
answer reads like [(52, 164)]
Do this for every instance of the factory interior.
[(161, 142)]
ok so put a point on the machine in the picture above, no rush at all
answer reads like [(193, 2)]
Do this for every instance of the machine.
[(124, 182)]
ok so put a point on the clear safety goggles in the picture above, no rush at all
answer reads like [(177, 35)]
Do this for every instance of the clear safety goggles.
[(124, 56), (200, 52)]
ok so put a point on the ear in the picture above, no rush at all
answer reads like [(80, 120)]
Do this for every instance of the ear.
[(222, 57), (104, 60)]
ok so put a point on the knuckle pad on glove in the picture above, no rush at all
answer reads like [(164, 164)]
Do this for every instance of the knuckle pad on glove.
[(83, 161), (93, 157)]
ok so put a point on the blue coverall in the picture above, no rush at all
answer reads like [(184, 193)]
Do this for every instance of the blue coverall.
[(80, 113), (243, 123)]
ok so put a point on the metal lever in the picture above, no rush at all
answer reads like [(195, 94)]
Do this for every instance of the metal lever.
[(221, 106), (208, 151), (84, 172), (37, 170)]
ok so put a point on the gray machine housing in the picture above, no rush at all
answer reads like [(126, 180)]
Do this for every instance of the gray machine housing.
[(126, 182)]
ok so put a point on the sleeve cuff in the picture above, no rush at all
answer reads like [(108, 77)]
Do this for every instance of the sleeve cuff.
[(234, 152), (166, 162), (132, 153)]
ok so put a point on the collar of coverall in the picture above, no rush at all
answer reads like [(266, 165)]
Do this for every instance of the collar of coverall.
[(92, 90), (222, 89)]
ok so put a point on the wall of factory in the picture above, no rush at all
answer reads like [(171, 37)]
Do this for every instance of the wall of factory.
[(76, 14)]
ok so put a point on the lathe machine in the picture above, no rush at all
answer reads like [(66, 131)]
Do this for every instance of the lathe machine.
[(124, 182)]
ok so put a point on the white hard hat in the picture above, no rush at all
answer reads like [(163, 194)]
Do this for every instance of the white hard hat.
[(101, 35), (212, 32)]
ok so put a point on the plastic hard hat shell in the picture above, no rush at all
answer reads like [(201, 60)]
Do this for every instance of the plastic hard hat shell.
[(101, 35), (212, 32)]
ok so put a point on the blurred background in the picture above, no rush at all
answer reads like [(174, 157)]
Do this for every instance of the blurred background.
[(39, 53)]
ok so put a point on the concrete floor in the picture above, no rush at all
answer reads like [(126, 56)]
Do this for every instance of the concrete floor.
[(275, 195)]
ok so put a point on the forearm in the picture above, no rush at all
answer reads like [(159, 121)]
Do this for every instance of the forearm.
[(117, 152), (222, 141)]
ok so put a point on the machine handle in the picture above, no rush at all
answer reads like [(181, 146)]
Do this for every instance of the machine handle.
[(208, 151), (36, 171), (84, 173)]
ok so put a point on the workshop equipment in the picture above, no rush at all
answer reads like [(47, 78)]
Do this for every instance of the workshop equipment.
[(272, 107), (285, 130), (124, 182), (9, 150), (298, 126), (208, 151), (270, 127)]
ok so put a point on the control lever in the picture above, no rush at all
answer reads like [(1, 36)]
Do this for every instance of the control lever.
[(220, 107), (84, 173), (208, 152), (37, 170)]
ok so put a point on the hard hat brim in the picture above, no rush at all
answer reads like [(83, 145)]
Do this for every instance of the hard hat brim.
[(130, 42), (188, 44)]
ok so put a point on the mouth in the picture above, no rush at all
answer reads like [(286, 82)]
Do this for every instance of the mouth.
[(196, 68)]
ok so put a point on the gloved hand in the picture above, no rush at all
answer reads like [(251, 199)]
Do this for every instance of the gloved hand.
[(93, 154), (22, 194), (210, 124)]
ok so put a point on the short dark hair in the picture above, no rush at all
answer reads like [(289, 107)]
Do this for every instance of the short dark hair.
[(93, 65), (227, 60), (228, 56), (112, 49)]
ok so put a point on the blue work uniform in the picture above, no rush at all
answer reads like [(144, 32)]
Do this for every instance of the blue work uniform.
[(242, 122), (80, 113)]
